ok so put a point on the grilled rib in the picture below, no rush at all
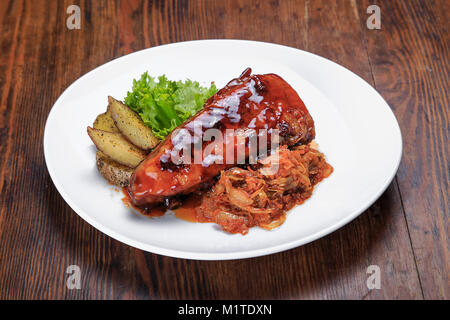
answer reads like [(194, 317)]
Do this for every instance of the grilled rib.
[(248, 102)]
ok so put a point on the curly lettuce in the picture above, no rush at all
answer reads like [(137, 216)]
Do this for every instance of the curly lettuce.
[(164, 104)]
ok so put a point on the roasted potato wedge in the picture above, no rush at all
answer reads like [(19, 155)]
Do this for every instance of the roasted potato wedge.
[(116, 173), (105, 122), (131, 125), (115, 146)]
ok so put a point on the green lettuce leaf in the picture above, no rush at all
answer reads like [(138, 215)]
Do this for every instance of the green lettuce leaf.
[(164, 104)]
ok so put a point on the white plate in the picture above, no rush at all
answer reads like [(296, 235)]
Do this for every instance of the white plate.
[(356, 130)]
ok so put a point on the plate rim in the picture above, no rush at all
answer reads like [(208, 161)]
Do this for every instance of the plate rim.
[(194, 255)]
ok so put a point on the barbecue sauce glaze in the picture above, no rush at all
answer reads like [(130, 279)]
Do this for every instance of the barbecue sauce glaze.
[(248, 102)]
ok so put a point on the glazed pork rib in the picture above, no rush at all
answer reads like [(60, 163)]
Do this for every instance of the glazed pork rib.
[(250, 101)]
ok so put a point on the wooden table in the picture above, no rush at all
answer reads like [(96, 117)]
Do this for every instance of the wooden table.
[(405, 232)]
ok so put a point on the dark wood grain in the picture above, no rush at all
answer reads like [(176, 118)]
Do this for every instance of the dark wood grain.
[(411, 70), (405, 232)]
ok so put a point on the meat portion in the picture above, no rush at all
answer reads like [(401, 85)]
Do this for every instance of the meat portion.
[(252, 103)]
